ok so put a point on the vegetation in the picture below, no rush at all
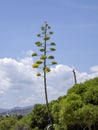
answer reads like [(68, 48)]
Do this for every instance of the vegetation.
[(78, 110)]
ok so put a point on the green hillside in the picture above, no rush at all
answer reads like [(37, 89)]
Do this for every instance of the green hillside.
[(77, 110)]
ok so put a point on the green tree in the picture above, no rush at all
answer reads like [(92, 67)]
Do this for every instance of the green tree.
[(39, 117), (45, 60), (79, 108), (23, 123), (91, 95), (7, 123), (69, 105), (21, 126), (87, 116)]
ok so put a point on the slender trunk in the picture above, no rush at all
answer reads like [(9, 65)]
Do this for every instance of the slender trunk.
[(45, 84), (75, 79), (46, 97)]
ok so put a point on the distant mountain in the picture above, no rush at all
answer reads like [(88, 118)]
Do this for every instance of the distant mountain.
[(17, 110), (3, 110)]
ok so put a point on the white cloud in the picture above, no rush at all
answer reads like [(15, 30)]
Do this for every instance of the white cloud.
[(20, 87), (94, 69)]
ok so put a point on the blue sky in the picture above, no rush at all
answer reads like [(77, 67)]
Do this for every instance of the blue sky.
[(75, 26)]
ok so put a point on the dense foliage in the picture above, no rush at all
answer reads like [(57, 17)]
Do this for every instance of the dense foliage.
[(78, 110)]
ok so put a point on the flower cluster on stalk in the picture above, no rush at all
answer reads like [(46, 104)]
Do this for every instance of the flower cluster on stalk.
[(44, 48)]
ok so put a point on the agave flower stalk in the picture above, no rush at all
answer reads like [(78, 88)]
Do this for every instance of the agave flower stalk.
[(44, 58)]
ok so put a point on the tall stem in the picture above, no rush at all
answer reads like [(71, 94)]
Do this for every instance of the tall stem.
[(45, 80), (45, 84), (75, 79)]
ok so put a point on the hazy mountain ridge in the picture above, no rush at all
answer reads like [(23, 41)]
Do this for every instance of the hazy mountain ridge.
[(17, 110), (3, 110)]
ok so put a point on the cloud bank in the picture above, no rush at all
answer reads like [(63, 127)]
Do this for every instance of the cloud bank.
[(19, 86)]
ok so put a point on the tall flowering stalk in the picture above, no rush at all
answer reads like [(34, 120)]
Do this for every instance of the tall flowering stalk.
[(44, 59)]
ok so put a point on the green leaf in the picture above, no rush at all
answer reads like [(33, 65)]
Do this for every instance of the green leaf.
[(38, 43), (39, 62), (51, 57), (52, 44), (54, 62), (46, 38), (52, 49), (47, 69), (49, 27), (46, 24), (38, 35), (38, 74), (42, 49), (50, 32), (42, 28), (43, 57), (35, 65), (34, 54)]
